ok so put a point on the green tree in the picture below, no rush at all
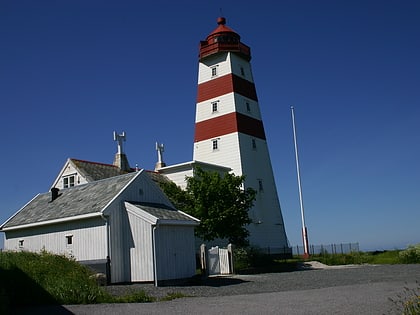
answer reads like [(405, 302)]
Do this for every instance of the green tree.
[(219, 201)]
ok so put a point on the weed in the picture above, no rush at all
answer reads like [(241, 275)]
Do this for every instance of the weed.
[(133, 297), (173, 296), (408, 303)]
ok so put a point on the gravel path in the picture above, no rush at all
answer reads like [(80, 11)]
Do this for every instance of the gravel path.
[(323, 277), (348, 290)]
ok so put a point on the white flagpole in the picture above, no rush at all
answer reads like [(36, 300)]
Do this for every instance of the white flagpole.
[(302, 212)]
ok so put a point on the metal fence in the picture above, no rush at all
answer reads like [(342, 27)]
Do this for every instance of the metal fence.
[(342, 248)]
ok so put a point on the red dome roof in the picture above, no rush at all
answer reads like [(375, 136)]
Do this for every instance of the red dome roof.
[(222, 28), (223, 39)]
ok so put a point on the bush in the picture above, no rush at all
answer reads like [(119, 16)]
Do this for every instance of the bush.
[(411, 255), (253, 260), (37, 279)]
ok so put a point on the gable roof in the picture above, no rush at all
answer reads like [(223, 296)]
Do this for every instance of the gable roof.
[(160, 213), (96, 171), (78, 201)]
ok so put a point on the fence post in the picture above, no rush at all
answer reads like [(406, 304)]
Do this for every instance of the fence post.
[(230, 257), (108, 270), (204, 260)]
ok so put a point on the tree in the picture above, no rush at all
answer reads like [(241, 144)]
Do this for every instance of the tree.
[(219, 201)]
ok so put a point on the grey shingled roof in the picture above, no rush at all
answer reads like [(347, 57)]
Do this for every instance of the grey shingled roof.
[(162, 211), (78, 200), (97, 171)]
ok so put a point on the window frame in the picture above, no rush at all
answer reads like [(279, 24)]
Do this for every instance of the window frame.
[(69, 181), (215, 106), (69, 240)]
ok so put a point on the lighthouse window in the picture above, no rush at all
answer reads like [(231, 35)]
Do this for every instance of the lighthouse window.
[(214, 107), (260, 185), (215, 144), (248, 107), (242, 71), (254, 144), (20, 243), (213, 71)]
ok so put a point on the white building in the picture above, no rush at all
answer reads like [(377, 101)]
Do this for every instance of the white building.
[(126, 218)]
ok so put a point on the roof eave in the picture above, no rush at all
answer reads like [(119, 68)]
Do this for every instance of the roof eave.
[(49, 222)]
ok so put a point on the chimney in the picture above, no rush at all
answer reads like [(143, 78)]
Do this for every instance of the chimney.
[(54, 193), (120, 159)]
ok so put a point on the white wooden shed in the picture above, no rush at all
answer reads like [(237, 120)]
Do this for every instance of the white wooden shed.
[(127, 218)]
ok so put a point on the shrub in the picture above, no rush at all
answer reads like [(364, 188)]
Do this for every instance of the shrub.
[(43, 278), (411, 255)]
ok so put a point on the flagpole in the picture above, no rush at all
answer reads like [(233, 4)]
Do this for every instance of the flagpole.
[(302, 212)]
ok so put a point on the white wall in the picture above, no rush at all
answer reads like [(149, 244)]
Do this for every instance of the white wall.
[(89, 239), (175, 251)]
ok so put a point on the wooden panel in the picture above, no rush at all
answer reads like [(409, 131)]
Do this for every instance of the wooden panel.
[(88, 241), (175, 252), (141, 251)]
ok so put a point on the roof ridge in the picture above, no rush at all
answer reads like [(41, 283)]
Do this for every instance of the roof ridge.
[(91, 162)]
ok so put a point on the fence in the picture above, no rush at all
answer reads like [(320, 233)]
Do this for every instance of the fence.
[(345, 248)]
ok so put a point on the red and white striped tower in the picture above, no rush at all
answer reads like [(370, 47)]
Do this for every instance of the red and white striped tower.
[(229, 130)]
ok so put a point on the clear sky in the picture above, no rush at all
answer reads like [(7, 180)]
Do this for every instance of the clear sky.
[(72, 72)]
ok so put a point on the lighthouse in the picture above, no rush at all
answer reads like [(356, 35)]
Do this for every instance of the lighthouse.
[(229, 130)]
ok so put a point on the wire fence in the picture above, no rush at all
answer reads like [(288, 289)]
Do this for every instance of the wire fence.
[(342, 248)]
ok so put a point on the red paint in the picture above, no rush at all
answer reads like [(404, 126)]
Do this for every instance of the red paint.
[(223, 38), (224, 85), (226, 124)]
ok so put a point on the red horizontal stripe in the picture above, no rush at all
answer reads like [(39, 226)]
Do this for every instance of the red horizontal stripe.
[(226, 124), (226, 84)]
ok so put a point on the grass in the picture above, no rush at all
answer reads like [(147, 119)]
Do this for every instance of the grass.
[(28, 279), (411, 255)]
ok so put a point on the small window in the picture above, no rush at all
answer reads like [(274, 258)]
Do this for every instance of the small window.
[(68, 181), (242, 71), (214, 107), (215, 144), (248, 107), (260, 185), (69, 240), (213, 71), (20, 243), (254, 144)]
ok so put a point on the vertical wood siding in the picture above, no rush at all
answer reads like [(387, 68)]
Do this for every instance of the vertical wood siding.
[(89, 239), (141, 251), (175, 252)]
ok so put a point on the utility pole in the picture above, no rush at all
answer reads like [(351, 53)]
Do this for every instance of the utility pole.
[(302, 212)]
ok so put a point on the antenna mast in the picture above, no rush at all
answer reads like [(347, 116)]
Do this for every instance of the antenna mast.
[(304, 229)]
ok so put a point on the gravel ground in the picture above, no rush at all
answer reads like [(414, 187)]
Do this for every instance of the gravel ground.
[(315, 289), (312, 276)]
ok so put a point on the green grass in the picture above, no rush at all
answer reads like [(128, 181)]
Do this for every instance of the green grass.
[(28, 279), (411, 255)]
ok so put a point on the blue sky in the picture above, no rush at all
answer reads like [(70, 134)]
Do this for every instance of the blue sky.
[(72, 72)]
